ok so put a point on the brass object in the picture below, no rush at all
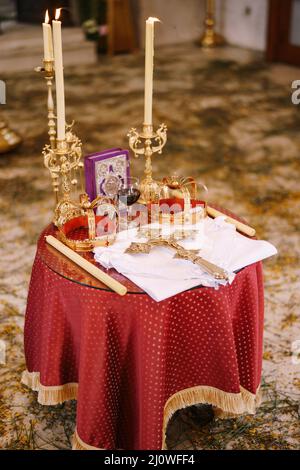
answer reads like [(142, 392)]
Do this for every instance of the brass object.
[(148, 143), (84, 246), (86, 218), (178, 187), (178, 182), (210, 37), (63, 160), (9, 139), (190, 255)]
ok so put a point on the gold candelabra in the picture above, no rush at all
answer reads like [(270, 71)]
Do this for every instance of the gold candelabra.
[(148, 143), (210, 37), (62, 158)]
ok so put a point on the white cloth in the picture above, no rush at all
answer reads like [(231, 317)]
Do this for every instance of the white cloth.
[(161, 275)]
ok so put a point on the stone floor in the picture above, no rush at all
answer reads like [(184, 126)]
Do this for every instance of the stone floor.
[(232, 125)]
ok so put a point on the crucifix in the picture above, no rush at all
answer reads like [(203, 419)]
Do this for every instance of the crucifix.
[(182, 253)]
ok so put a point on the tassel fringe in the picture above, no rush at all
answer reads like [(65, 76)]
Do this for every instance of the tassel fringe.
[(226, 405), (78, 444), (48, 395)]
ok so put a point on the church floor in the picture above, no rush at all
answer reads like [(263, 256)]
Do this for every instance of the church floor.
[(233, 126)]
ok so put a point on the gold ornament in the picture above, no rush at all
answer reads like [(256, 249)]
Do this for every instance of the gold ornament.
[(190, 255), (63, 160), (148, 143), (210, 37)]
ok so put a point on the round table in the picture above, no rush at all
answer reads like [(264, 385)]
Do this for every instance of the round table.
[(132, 362)]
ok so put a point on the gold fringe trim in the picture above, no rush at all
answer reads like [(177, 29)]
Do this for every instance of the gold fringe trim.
[(49, 395), (226, 404), (78, 444)]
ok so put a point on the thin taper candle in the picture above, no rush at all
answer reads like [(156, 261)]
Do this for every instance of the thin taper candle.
[(149, 63), (59, 78)]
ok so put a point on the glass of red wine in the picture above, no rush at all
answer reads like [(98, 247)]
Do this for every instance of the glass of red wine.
[(128, 194)]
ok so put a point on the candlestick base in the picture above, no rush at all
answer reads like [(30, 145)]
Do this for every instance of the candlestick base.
[(149, 191), (63, 160), (210, 37), (149, 188)]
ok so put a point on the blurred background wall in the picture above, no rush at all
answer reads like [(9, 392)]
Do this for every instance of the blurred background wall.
[(268, 26), (242, 22)]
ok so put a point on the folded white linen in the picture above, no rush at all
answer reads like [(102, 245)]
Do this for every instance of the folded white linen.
[(161, 275)]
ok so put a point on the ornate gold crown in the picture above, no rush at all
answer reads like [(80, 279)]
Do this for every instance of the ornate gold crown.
[(176, 198), (83, 220)]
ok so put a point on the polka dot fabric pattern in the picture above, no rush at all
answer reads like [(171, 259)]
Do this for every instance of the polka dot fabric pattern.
[(129, 355)]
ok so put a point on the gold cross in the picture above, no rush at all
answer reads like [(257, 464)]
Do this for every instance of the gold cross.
[(182, 253)]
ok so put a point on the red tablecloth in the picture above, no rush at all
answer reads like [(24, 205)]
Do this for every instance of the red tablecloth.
[(132, 362)]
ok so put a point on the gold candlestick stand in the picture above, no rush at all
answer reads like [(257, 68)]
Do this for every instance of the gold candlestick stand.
[(148, 143), (63, 160), (61, 157), (210, 37)]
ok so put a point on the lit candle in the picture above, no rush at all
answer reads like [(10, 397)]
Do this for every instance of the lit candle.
[(149, 56), (59, 77), (48, 44)]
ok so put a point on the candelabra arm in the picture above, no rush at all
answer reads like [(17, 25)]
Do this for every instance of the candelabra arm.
[(135, 142), (161, 139), (148, 143)]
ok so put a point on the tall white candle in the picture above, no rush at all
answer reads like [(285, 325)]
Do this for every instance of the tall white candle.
[(59, 77), (149, 58), (48, 43)]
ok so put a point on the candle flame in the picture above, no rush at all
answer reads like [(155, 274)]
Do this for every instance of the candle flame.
[(152, 20), (47, 17), (57, 13)]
